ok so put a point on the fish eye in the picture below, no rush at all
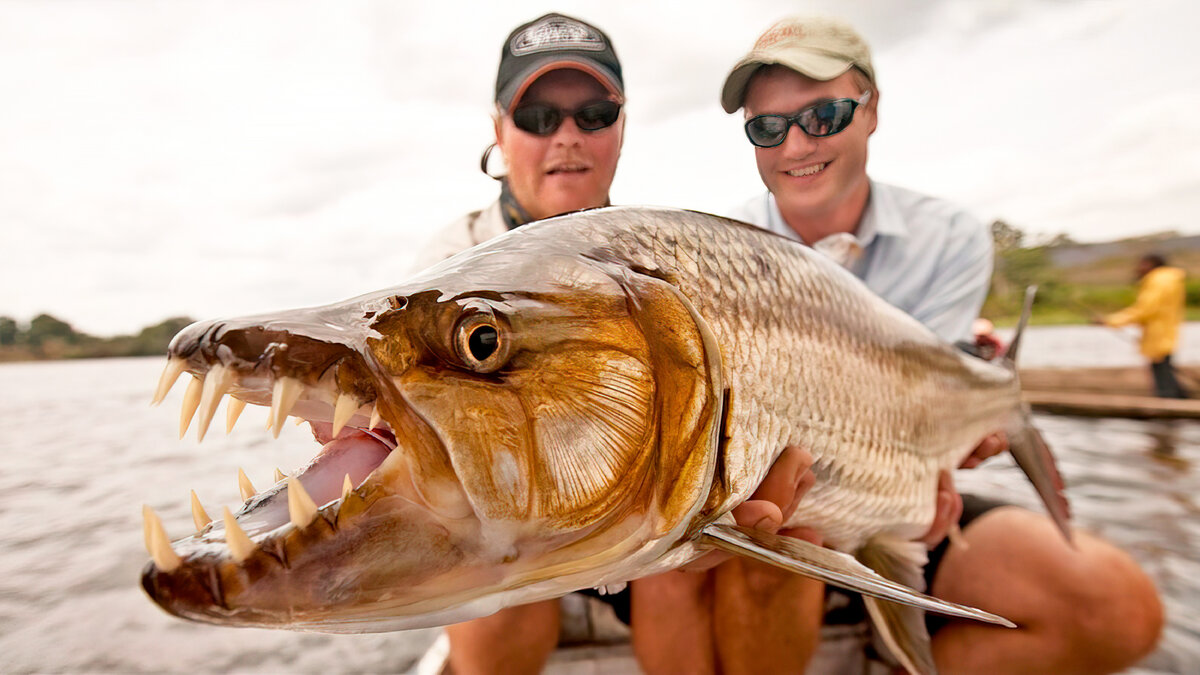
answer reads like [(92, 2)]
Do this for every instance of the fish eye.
[(479, 343), (483, 342)]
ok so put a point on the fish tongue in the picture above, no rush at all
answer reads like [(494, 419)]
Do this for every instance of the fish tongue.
[(352, 453)]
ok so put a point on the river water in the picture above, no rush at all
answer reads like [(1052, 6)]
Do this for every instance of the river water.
[(81, 451)]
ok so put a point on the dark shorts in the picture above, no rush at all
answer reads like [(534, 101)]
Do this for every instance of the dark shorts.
[(846, 607)]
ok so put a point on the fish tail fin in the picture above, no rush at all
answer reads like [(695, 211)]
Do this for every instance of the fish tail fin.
[(1014, 347), (900, 627), (1032, 454)]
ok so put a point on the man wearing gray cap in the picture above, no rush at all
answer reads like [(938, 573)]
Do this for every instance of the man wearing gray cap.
[(1084, 607), (559, 125)]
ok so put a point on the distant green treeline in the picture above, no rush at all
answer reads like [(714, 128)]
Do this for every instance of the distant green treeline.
[(1098, 279), (47, 337)]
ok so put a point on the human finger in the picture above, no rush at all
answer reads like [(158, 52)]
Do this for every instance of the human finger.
[(991, 445), (948, 510), (785, 477)]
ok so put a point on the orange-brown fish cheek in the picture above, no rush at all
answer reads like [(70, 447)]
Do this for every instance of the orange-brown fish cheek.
[(481, 425)]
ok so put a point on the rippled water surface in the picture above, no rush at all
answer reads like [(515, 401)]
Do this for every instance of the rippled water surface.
[(81, 451)]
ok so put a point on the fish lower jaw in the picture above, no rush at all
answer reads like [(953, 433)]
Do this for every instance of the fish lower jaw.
[(265, 522)]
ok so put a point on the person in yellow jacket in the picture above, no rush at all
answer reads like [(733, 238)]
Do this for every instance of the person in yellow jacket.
[(1159, 311)]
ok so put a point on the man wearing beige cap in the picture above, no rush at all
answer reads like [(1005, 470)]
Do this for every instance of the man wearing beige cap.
[(811, 102)]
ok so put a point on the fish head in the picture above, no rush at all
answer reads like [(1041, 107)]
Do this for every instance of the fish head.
[(503, 428)]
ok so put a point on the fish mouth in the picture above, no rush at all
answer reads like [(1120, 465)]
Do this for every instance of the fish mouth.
[(272, 561)]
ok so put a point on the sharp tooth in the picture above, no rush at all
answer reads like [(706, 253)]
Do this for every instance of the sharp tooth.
[(301, 507), (199, 515), (191, 401), (245, 486), (148, 519), (175, 368), (157, 542), (240, 546), (300, 420), (279, 475), (233, 410), (216, 383), (347, 486), (375, 416), (343, 411), (287, 390)]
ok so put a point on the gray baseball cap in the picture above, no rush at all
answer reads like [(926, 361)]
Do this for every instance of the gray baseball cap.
[(819, 47), (552, 42)]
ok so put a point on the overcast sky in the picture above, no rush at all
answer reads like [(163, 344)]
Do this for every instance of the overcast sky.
[(218, 158)]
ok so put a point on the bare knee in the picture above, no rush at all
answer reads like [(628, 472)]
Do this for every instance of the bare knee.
[(1086, 608), (514, 640), (1118, 615)]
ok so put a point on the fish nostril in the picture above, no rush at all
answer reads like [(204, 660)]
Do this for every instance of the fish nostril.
[(397, 302)]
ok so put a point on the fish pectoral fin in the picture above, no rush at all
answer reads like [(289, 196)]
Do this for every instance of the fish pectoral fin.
[(831, 567), (900, 627)]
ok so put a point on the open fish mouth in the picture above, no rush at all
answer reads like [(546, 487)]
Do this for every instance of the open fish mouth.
[(249, 566), (354, 443), (354, 438)]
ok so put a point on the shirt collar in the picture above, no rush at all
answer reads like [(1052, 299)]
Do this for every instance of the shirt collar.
[(880, 218)]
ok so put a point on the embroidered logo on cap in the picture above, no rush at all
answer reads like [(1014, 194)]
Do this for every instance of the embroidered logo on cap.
[(779, 33), (555, 33)]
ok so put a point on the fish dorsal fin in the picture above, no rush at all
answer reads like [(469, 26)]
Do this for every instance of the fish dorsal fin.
[(831, 567), (1014, 347), (900, 627)]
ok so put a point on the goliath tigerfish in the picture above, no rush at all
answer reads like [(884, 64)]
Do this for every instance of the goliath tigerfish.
[(579, 403)]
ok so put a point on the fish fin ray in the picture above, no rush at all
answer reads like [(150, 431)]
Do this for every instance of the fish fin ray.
[(1014, 346), (1032, 454), (900, 627), (830, 566)]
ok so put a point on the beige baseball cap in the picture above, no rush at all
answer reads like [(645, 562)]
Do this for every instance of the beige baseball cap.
[(820, 47)]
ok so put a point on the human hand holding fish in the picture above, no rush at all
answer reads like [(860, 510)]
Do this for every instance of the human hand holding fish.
[(773, 502)]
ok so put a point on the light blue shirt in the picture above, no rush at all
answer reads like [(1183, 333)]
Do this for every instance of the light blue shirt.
[(924, 255)]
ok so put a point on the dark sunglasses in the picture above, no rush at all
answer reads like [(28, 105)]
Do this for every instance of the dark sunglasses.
[(823, 119), (543, 120)]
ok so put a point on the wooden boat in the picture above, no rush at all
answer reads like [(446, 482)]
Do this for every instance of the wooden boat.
[(1107, 392)]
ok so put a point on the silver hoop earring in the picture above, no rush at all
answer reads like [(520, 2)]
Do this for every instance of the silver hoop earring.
[(483, 162)]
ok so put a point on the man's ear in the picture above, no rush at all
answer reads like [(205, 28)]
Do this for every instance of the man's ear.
[(873, 106)]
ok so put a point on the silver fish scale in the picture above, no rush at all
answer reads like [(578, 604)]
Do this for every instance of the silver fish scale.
[(814, 358)]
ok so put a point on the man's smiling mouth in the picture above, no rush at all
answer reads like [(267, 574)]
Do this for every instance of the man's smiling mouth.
[(808, 170)]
